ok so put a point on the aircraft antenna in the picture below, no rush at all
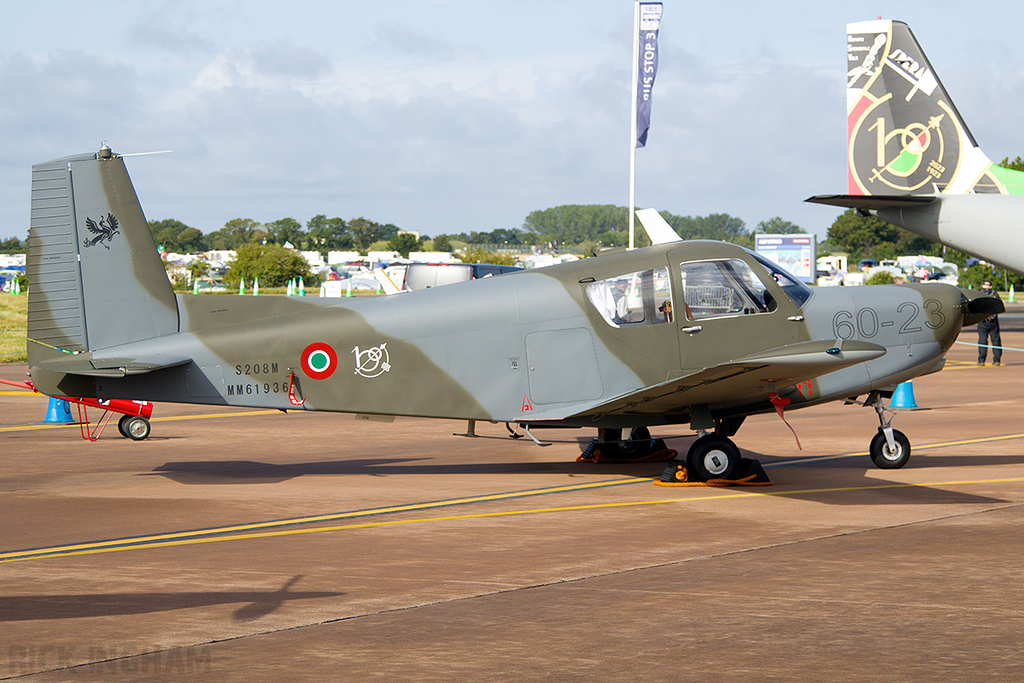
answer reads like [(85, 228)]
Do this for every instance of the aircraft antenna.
[(145, 154)]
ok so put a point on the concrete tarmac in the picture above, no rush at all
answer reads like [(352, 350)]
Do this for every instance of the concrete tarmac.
[(248, 545)]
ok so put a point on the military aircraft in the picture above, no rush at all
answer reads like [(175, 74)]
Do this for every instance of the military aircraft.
[(912, 160), (696, 332)]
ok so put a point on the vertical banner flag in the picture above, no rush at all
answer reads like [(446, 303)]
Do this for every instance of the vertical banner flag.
[(647, 66)]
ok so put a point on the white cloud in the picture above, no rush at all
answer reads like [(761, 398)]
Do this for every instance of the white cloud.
[(449, 116)]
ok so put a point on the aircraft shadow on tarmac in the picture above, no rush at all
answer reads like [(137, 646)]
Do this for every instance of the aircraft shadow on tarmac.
[(858, 489), (46, 607), (201, 472), (862, 489), (249, 472), (881, 492)]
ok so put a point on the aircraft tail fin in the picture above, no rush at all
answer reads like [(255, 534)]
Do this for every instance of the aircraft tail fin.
[(905, 135), (95, 277), (657, 228), (385, 281)]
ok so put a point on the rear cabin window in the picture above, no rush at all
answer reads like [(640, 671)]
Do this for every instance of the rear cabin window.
[(713, 289), (640, 298)]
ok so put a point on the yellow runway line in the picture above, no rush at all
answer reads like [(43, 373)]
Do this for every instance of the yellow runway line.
[(130, 544), (205, 416), (142, 541)]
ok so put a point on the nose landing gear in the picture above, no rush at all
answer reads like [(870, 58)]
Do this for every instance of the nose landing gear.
[(890, 449)]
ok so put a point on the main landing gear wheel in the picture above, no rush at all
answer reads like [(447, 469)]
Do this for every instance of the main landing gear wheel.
[(134, 427), (890, 458), (637, 437), (713, 457)]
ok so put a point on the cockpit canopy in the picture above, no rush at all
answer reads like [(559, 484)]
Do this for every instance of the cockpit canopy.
[(709, 288)]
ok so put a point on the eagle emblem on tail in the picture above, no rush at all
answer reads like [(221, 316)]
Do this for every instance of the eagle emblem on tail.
[(104, 232)]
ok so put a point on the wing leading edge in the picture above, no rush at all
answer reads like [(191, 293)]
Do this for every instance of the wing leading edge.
[(744, 380)]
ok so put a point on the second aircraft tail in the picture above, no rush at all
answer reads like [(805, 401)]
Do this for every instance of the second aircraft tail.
[(905, 135)]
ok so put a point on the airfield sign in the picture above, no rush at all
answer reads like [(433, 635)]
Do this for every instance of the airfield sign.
[(796, 253)]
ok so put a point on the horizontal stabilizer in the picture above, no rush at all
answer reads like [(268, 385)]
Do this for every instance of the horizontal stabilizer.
[(657, 228), (872, 202), (82, 364)]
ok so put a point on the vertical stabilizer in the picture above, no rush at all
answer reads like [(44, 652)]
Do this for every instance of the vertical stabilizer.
[(905, 135), (95, 278), (657, 227)]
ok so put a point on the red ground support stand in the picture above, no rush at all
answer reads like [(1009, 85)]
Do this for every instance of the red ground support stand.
[(134, 422)]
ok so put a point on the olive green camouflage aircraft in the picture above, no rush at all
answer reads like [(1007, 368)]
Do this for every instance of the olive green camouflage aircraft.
[(695, 332), (912, 161)]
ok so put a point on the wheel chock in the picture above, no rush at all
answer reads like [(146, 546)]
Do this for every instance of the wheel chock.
[(652, 450), (750, 474)]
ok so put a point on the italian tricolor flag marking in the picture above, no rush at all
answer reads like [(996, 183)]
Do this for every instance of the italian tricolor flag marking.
[(319, 361)]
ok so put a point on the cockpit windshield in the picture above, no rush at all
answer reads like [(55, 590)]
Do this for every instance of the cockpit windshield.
[(797, 291)]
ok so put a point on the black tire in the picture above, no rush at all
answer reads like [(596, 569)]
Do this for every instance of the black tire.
[(638, 438), (886, 459), (136, 427), (713, 457), (640, 434), (121, 425)]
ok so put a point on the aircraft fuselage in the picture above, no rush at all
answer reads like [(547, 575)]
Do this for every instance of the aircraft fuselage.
[(533, 347)]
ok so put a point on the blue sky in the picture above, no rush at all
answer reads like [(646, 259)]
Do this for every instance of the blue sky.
[(452, 116)]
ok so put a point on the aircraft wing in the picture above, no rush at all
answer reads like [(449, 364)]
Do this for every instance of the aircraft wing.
[(745, 380), (873, 202)]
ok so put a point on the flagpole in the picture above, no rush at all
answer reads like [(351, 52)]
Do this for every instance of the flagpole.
[(632, 120)]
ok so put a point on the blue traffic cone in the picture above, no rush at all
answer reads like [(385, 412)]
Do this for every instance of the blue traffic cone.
[(903, 397), (58, 411)]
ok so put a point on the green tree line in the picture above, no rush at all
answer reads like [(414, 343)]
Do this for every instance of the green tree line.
[(592, 225), (606, 225), (319, 234)]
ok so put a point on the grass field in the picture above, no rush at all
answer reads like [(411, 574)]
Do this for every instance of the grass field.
[(13, 327)]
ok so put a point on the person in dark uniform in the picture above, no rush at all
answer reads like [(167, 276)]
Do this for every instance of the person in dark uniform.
[(988, 331)]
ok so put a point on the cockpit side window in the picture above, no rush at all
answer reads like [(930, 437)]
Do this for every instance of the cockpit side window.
[(713, 289), (796, 290), (640, 298)]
